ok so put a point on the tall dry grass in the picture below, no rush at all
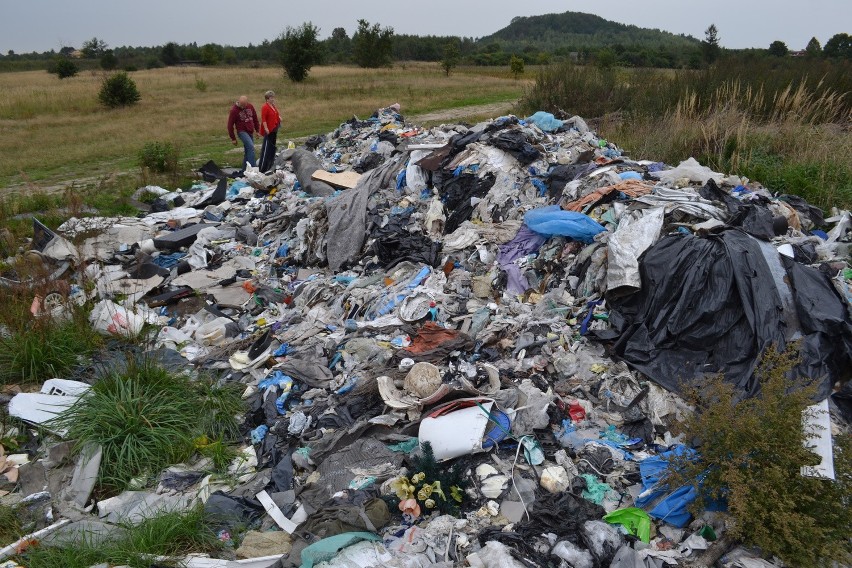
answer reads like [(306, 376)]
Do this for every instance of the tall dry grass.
[(784, 123), (51, 128)]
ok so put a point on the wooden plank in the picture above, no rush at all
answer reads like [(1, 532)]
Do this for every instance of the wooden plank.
[(346, 180)]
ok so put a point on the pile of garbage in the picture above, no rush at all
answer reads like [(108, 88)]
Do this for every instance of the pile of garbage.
[(460, 346)]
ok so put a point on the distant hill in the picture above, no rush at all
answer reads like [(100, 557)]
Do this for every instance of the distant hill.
[(578, 31)]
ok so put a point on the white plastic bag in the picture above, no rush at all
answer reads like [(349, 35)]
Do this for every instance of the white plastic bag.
[(109, 318)]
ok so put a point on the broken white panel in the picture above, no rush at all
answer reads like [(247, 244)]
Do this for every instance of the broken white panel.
[(57, 396), (817, 425), (277, 515)]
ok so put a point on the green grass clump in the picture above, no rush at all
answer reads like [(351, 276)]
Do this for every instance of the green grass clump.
[(751, 454), (10, 525), (169, 534), (146, 418), (35, 349)]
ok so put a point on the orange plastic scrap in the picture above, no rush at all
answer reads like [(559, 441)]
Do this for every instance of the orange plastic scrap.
[(430, 336), (630, 187)]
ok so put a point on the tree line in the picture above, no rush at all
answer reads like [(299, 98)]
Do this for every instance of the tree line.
[(533, 40)]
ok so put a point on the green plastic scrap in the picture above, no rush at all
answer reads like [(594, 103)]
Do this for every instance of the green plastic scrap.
[(305, 452), (595, 490), (708, 533), (636, 521), (405, 447), (328, 548), (847, 273)]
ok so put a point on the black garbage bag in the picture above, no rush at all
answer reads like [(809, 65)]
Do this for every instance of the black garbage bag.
[(804, 209), (456, 192), (713, 305), (514, 142), (754, 217), (369, 162), (232, 512), (560, 176), (397, 245)]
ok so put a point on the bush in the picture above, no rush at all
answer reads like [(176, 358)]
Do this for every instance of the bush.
[(146, 417), (751, 453), (160, 157), (118, 90), (63, 68), (200, 85), (300, 51)]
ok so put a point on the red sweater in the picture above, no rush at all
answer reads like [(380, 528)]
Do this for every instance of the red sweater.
[(269, 116), (244, 119)]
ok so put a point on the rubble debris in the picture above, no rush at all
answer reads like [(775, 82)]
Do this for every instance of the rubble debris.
[(460, 345)]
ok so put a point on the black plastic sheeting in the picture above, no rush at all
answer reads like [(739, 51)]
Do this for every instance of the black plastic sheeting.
[(515, 143), (456, 193), (395, 244), (753, 217), (711, 304)]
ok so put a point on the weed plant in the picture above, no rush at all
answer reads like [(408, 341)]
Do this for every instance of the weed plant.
[(751, 453), (159, 157), (10, 525), (36, 348), (169, 534), (145, 418)]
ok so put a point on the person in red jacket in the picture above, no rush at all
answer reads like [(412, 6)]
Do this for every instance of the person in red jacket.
[(270, 121), (242, 122)]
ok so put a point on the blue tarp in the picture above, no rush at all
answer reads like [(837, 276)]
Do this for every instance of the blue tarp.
[(672, 508), (553, 220)]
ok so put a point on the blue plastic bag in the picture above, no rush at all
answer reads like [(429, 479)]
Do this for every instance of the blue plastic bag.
[(546, 121), (553, 220)]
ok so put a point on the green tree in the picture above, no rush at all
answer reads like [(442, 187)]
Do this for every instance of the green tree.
[(63, 67), (108, 60), (778, 49), (813, 49), (93, 48), (211, 54), (339, 46), (451, 57), (839, 45), (118, 90), (300, 50), (605, 59), (516, 66), (169, 54), (710, 46), (372, 46)]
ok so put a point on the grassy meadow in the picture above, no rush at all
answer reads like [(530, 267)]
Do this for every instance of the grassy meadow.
[(55, 130)]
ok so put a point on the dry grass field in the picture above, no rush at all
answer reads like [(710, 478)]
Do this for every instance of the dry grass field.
[(53, 130)]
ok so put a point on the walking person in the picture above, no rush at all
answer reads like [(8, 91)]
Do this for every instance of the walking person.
[(270, 121), (243, 123)]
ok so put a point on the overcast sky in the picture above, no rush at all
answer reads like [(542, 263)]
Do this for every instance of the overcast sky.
[(42, 25)]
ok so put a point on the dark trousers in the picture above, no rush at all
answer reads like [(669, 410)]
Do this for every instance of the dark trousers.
[(267, 151)]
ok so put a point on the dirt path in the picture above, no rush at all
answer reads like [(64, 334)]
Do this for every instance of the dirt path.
[(444, 115), (458, 113)]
